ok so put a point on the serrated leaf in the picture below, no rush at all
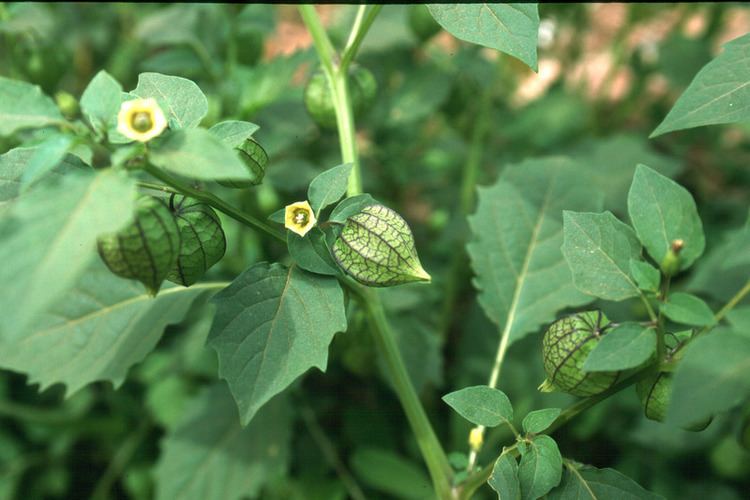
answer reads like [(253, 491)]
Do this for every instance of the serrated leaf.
[(538, 420), (182, 101), (203, 242), (540, 468), (272, 324), (481, 405), (210, 455), (711, 377), (97, 331), (504, 478), (687, 309), (351, 206), (610, 163), (645, 275), (311, 253), (376, 248), (719, 93), (599, 248), (234, 132), (590, 483), (14, 164), (511, 28), (49, 237), (628, 345), (388, 473), (23, 105), (101, 100), (328, 187), (198, 154), (661, 212), (520, 272)]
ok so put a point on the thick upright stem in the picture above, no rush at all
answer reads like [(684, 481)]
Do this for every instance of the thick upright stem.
[(432, 451)]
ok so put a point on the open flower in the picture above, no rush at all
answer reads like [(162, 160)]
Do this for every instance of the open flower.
[(141, 119), (299, 217)]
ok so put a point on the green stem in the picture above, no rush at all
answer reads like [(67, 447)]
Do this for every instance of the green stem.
[(329, 452), (361, 26), (477, 479), (214, 201), (732, 302), (158, 187), (432, 451), (120, 460)]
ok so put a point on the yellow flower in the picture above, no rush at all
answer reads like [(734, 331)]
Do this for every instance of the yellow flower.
[(141, 119), (476, 437), (299, 217)]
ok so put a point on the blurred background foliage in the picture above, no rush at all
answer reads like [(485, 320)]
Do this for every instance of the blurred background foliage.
[(608, 74)]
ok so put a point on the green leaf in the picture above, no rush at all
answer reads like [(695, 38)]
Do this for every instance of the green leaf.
[(198, 154), (182, 101), (210, 455), (599, 248), (540, 468), (662, 211), (590, 483), (511, 28), (718, 274), (49, 237), (22, 105), (14, 164), (100, 328), (712, 377), (351, 206), (481, 405), (610, 163), (202, 240), (376, 248), (101, 100), (504, 478), (520, 272), (388, 473), (311, 253), (719, 93), (687, 309), (628, 345), (234, 133), (645, 275), (538, 420), (328, 187), (47, 156), (272, 324), (278, 216)]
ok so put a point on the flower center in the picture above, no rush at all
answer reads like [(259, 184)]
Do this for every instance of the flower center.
[(301, 217), (141, 121)]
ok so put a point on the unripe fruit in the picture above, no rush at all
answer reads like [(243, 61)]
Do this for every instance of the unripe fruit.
[(655, 393), (203, 240), (255, 159), (147, 248), (566, 345), (376, 248), (319, 99)]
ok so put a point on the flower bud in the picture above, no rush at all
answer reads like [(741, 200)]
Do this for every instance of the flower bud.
[(670, 265), (376, 248)]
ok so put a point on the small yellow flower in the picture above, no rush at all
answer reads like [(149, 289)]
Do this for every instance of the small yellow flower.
[(476, 437), (141, 119), (299, 217)]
